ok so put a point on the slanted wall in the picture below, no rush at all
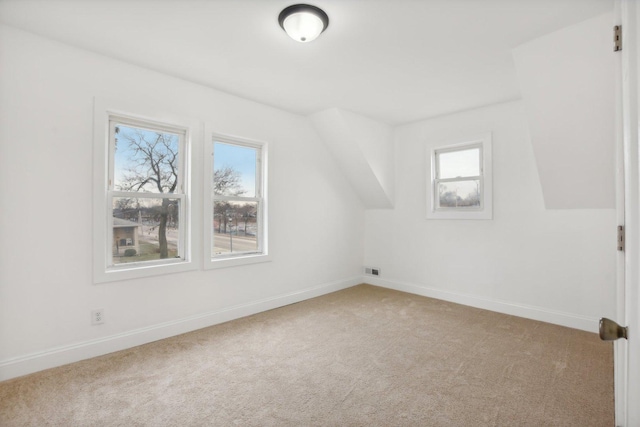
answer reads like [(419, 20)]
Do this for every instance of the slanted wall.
[(364, 150), (567, 84)]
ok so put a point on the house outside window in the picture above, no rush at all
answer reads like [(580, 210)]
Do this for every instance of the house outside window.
[(146, 187), (142, 201), (461, 180)]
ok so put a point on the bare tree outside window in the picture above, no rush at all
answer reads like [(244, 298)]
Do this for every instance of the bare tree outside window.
[(148, 162), (226, 182), (236, 198), (461, 182), (458, 175), (461, 194)]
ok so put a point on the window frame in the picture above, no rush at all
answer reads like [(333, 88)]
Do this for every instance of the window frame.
[(485, 210), (180, 186), (106, 114), (212, 261)]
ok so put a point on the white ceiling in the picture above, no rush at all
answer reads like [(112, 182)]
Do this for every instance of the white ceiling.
[(396, 61)]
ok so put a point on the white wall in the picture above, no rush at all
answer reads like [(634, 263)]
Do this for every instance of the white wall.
[(46, 289), (567, 82), (375, 140), (364, 150), (556, 266)]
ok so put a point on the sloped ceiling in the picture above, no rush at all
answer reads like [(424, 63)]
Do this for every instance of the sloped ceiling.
[(363, 149), (567, 83), (395, 61), (391, 61)]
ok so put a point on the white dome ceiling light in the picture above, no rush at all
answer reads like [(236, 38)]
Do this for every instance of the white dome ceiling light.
[(303, 22)]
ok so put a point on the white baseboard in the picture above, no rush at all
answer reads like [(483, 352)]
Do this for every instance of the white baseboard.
[(63, 355), (515, 309)]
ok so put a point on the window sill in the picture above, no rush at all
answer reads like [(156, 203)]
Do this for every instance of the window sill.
[(139, 272), (238, 260), (484, 214)]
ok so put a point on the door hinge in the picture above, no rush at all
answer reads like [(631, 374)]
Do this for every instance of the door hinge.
[(621, 237), (617, 38)]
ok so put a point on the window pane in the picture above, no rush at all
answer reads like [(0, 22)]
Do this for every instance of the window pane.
[(454, 164), (235, 227), (144, 160), (459, 194), (234, 170), (145, 229)]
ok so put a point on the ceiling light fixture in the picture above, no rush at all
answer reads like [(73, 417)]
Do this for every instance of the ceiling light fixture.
[(303, 22)]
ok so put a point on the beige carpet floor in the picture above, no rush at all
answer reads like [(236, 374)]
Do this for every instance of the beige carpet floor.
[(365, 356)]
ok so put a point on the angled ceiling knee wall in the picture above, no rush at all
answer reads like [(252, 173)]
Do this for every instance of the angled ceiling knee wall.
[(364, 150), (567, 83)]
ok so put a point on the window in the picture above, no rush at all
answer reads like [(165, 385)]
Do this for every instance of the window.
[(460, 185), (236, 211), (145, 192), (142, 218)]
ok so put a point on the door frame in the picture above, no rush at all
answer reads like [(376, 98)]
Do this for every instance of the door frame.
[(627, 352)]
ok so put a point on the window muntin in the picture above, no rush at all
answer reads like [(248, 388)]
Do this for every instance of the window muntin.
[(458, 178), (146, 194), (237, 199), (461, 181)]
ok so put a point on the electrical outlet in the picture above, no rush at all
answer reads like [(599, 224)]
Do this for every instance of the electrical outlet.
[(97, 316)]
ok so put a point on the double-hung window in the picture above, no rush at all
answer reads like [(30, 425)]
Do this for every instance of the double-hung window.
[(141, 212), (146, 192), (237, 211), (460, 185)]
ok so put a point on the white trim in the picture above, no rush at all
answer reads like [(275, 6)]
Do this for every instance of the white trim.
[(181, 192), (627, 384), (261, 196), (63, 355), (237, 260), (57, 356), (137, 112), (619, 346), (484, 141), (506, 307)]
